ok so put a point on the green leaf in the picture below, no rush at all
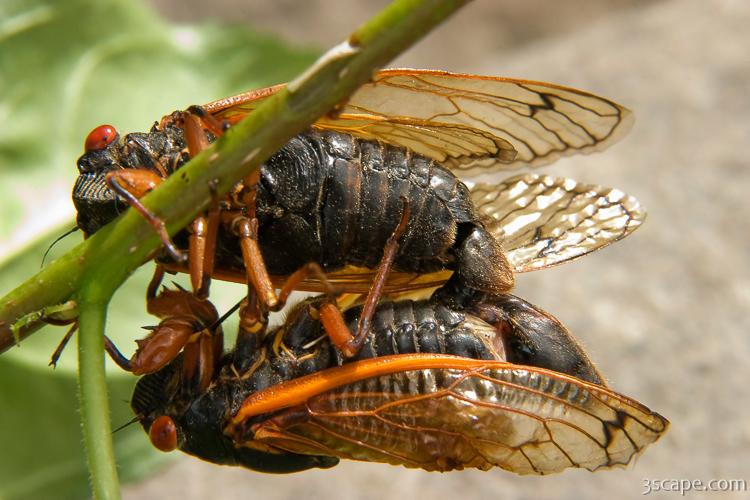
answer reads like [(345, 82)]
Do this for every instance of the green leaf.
[(66, 67)]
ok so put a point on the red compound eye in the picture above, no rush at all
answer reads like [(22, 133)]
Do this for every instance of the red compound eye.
[(163, 433), (100, 137)]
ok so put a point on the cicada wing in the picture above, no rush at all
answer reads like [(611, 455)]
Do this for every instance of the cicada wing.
[(473, 124), (234, 108), (423, 109), (524, 420), (456, 146), (542, 221)]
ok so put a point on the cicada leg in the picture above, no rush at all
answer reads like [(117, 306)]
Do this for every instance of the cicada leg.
[(61, 346), (247, 353), (330, 315), (189, 324), (204, 229), (202, 247), (260, 283), (353, 344), (132, 184), (262, 296)]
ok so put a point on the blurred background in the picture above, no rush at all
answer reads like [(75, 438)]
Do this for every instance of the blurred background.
[(664, 313)]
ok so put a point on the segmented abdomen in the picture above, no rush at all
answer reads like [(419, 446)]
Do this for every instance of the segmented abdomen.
[(397, 328), (334, 199)]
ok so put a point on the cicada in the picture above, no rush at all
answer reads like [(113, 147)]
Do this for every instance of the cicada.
[(371, 194), (440, 384)]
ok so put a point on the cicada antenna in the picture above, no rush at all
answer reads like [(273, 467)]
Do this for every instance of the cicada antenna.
[(67, 233), (133, 420)]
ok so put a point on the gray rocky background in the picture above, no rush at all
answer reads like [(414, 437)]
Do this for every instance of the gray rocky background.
[(664, 313)]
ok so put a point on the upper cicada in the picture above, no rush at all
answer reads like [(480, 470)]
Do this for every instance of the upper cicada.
[(371, 194)]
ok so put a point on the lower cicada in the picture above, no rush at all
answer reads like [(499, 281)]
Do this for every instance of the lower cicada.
[(371, 194), (440, 384)]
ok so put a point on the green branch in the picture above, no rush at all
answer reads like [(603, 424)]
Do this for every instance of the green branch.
[(92, 271), (97, 431), (116, 250)]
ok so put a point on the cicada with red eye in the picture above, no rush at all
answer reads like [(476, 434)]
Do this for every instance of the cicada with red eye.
[(372, 193), (440, 384)]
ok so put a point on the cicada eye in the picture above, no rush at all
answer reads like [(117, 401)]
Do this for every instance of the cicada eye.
[(101, 137), (163, 433)]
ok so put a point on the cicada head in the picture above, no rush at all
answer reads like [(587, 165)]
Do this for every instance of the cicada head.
[(174, 418), (157, 151), (95, 203)]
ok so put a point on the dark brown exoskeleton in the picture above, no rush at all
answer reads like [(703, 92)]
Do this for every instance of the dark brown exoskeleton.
[(439, 384), (374, 188)]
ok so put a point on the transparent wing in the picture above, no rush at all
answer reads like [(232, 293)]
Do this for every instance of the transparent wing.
[(521, 419), (473, 124), (543, 221), (540, 121)]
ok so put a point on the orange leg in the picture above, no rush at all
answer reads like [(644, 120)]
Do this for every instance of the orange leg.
[(253, 321), (258, 278), (330, 315), (252, 329), (202, 250), (354, 344), (197, 251), (204, 230), (213, 222), (255, 267), (132, 184), (262, 295), (208, 120), (189, 325)]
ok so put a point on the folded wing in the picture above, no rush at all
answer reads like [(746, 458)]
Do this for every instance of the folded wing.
[(542, 221), (521, 419)]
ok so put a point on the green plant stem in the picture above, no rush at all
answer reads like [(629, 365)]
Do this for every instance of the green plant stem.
[(116, 250), (97, 432), (92, 271)]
